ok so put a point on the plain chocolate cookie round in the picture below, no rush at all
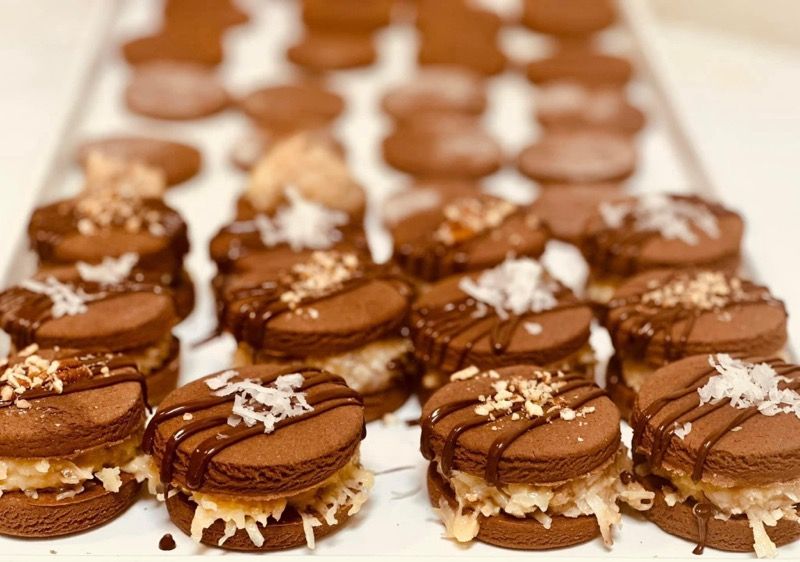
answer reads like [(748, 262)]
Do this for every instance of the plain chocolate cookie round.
[(290, 107), (568, 17), (582, 66), (320, 51)]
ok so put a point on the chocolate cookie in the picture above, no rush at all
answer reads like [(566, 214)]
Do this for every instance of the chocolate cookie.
[(524, 430), (179, 43), (77, 419), (292, 107), (222, 13), (175, 91), (128, 317), (661, 316), (569, 106), (287, 469), (636, 234), (716, 437), (437, 89), (568, 17), (331, 309), (447, 229), (578, 157), (252, 146), (443, 147), (565, 208), (320, 51), (582, 66), (513, 313), (347, 15), (179, 162)]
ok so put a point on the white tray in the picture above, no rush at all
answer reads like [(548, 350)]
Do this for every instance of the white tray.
[(397, 521)]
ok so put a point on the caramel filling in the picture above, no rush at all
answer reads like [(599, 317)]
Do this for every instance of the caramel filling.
[(596, 493)]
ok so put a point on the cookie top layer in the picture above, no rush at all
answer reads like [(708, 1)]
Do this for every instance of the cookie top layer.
[(57, 403), (570, 106), (520, 424), (109, 224), (568, 17), (86, 315), (291, 107), (323, 50), (583, 66), (448, 229), (347, 15), (317, 303), (660, 231), (750, 443), (663, 315), (293, 428), (514, 313)]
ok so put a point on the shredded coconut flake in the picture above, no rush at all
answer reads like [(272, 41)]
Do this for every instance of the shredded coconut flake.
[(533, 328), (465, 374), (110, 271), (682, 431), (67, 300)]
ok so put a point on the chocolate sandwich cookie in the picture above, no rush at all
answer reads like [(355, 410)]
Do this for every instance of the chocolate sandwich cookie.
[(445, 229), (526, 458), (570, 106), (253, 145), (437, 89), (70, 430), (110, 223), (125, 317), (347, 15), (175, 91), (513, 313), (565, 208), (661, 316), (579, 157), (320, 51), (329, 309), (657, 231), (568, 17), (582, 66), (717, 438), (179, 162), (442, 146), (261, 458), (292, 107)]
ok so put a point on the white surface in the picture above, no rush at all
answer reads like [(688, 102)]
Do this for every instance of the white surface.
[(398, 527)]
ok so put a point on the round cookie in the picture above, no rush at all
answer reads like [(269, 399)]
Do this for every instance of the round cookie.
[(578, 157), (347, 15), (320, 51), (582, 66), (445, 229), (93, 406), (179, 162), (568, 106), (292, 107), (278, 450), (564, 208), (203, 13), (568, 17), (178, 43), (442, 147), (175, 91), (437, 89), (717, 457)]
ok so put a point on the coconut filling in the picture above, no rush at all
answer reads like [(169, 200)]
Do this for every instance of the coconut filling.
[(367, 369), (151, 358), (595, 493), (762, 505), (348, 488), (67, 476), (602, 289)]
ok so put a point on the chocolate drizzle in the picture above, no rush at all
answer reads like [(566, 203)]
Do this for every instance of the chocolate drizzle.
[(702, 512), (634, 324), (322, 401), (22, 311), (435, 329), (515, 429), (692, 411)]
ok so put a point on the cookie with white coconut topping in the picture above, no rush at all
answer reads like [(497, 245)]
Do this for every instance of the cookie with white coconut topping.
[(526, 458), (716, 439), (123, 317), (657, 231), (260, 458), (331, 309), (661, 316), (70, 430), (514, 313)]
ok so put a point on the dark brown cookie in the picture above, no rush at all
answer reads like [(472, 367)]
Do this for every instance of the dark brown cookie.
[(175, 91), (320, 51), (292, 107), (583, 66), (443, 147), (565, 208), (569, 106), (447, 229), (579, 157), (347, 15), (568, 17), (180, 162)]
